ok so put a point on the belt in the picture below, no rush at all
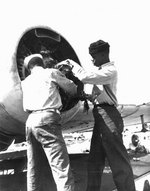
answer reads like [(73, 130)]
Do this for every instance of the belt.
[(41, 110), (103, 104)]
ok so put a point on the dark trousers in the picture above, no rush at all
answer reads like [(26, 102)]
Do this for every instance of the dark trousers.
[(107, 143)]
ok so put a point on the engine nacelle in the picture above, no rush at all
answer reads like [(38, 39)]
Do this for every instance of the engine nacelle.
[(14, 50)]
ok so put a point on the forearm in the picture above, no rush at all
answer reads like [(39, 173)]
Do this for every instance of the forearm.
[(94, 76)]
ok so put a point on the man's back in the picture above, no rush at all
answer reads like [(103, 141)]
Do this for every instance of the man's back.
[(40, 89)]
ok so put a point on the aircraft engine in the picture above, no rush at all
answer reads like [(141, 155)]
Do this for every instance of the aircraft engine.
[(140, 141), (42, 40)]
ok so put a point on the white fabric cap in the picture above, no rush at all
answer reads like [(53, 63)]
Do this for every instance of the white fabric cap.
[(28, 58)]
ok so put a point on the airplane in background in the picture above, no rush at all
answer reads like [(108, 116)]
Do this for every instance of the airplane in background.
[(12, 72), (33, 40), (24, 42)]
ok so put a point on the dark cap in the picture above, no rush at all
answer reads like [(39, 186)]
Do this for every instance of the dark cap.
[(98, 46)]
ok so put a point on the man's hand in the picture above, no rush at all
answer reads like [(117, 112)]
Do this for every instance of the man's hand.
[(64, 65)]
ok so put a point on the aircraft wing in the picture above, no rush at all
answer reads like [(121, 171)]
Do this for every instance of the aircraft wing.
[(131, 114)]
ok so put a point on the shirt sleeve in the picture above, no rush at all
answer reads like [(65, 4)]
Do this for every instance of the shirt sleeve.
[(61, 80), (95, 76)]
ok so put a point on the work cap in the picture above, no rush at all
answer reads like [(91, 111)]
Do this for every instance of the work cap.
[(98, 46), (28, 58)]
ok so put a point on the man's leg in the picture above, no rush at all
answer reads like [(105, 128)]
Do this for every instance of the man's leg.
[(112, 127), (96, 161), (35, 159), (119, 163), (50, 136)]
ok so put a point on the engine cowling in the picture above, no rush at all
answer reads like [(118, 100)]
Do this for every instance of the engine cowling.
[(33, 40)]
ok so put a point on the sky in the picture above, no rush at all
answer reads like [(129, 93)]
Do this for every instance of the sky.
[(122, 23)]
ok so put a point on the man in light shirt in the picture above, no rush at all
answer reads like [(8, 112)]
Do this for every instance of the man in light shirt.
[(41, 99), (107, 133)]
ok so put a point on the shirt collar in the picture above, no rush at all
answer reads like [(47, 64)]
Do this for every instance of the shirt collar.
[(36, 69), (106, 64)]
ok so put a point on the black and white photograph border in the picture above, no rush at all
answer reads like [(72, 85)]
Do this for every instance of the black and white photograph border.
[(75, 25)]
